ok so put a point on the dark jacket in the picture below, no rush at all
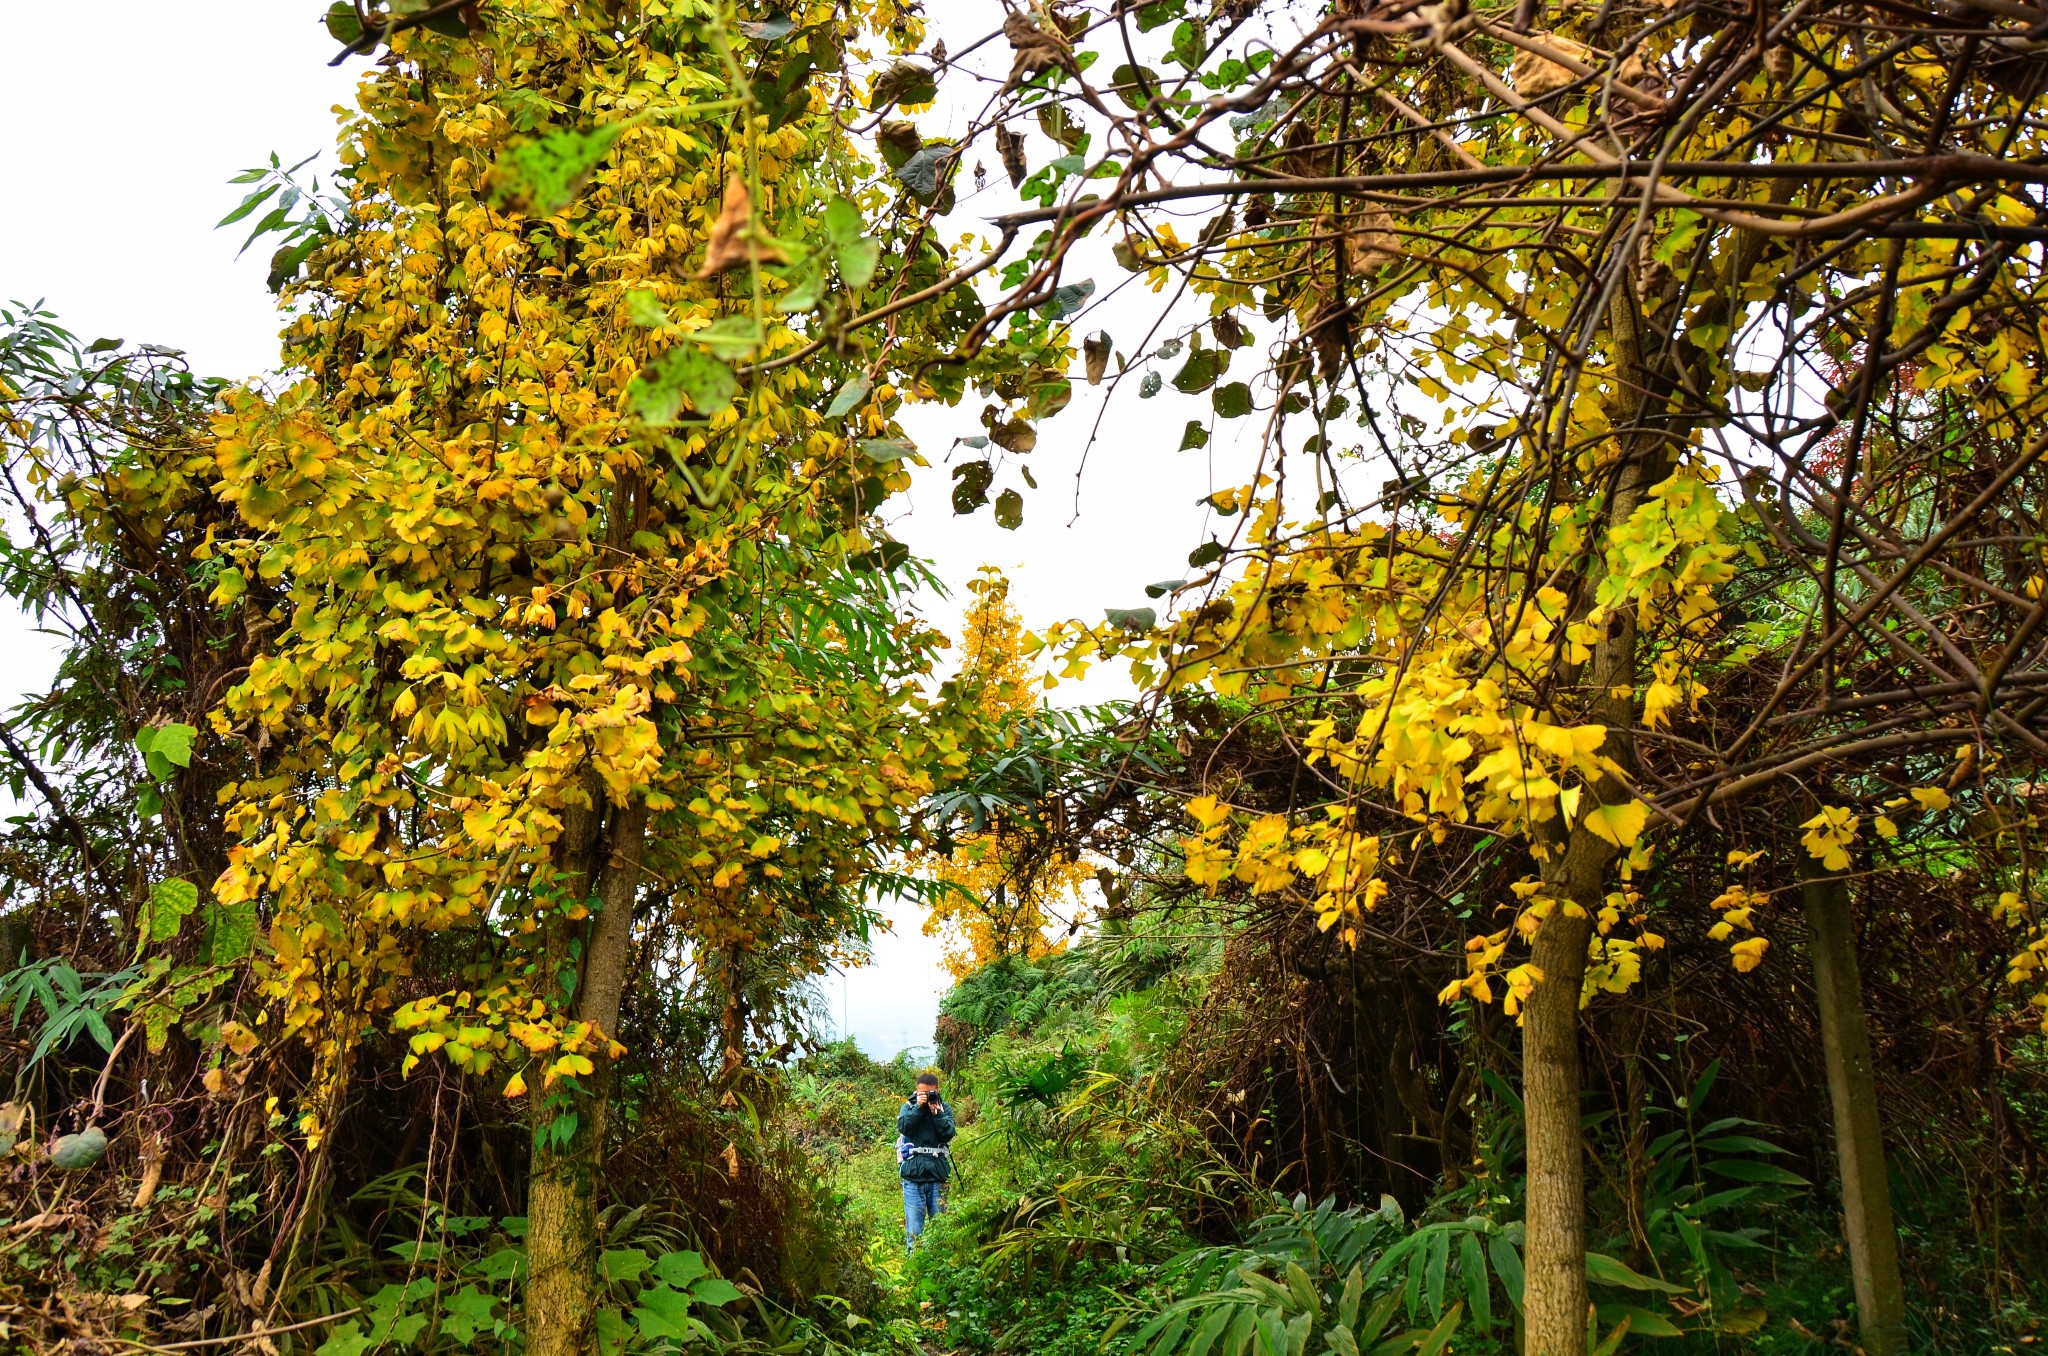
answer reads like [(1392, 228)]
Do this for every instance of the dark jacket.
[(925, 1130)]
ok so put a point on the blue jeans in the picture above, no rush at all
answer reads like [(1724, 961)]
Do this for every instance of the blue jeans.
[(921, 1201)]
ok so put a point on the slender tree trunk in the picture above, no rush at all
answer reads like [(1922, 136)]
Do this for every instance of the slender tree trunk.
[(568, 1128), (1554, 1295), (1859, 1132)]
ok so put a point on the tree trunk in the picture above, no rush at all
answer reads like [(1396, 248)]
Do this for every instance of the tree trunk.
[(1554, 1248), (1859, 1132), (568, 1127)]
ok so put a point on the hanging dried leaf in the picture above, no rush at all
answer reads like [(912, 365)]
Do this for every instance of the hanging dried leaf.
[(1037, 48), (1328, 327), (1305, 159), (1095, 354), (1536, 76), (1371, 244), (1010, 145), (897, 141), (904, 82), (732, 239)]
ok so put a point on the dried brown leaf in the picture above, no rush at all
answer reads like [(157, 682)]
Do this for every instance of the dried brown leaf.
[(1010, 145), (733, 244), (1037, 48)]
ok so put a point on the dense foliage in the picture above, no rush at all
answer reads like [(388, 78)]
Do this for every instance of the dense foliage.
[(1579, 896)]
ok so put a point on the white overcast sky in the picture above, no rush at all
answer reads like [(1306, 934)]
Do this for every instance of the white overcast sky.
[(126, 119)]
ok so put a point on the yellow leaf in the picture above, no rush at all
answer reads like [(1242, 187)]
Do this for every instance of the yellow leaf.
[(517, 1087), (1206, 811), (1931, 797), (1620, 825), (1749, 953)]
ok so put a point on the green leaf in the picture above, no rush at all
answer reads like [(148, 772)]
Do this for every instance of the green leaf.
[(849, 395), (346, 1338), (1208, 553), (715, 1290), (1507, 1264), (842, 221), (1604, 1270), (1745, 1170), (888, 449), (1194, 436), (905, 82), (972, 491), (1200, 371), (165, 747), (1740, 1144), (1641, 1322), (624, 1264), (541, 176), (1439, 1336), (658, 392), (679, 1268), (736, 336), (248, 205), (467, 1312), (345, 26), (1149, 385), (1478, 1285), (1163, 587), (1131, 84), (665, 1312), (767, 30), (1009, 510), (1068, 300), (646, 310), (920, 173), (858, 260), (1233, 401), (169, 903), (233, 929), (1136, 620)]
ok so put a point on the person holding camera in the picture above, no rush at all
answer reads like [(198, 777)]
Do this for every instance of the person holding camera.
[(924, 1130)]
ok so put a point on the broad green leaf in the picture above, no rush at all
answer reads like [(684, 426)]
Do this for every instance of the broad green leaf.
[(848, 396), (1009, 510), (233, 928), (735, 336), (1068, 300), (1747, 1170), (1507, 1264), (1604, 1270), (1233, 401), (858, 260), (681, 374), (1642, 1322), (971, 492), (767, 30), (887, 449), (1478, 1285), (542, 176), (1200, 371), (347, 1337), (170, 901), (624, 1264), (664, 1312), (715, 1290), (1194, 436), (1137, 620)]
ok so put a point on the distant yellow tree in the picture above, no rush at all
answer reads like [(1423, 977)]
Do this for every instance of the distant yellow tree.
[(1010, 890)]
